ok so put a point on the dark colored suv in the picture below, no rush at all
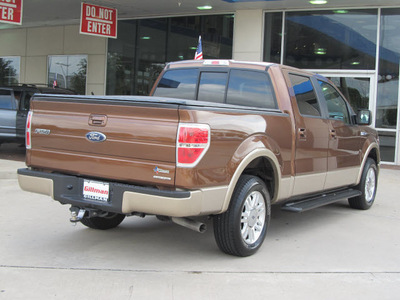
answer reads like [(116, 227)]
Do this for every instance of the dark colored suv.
[(14, 107)]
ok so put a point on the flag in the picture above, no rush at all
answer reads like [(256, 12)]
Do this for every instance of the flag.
[(55, 84), (199, 51)]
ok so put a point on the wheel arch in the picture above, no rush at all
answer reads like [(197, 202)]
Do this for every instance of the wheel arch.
[(371, 152), (259, 162)]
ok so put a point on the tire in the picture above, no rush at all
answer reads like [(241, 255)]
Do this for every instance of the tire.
[(367, 186), (241, 230), (112, 220)]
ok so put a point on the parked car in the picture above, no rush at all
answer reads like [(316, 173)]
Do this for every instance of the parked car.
[(14, 107), (224, 139)]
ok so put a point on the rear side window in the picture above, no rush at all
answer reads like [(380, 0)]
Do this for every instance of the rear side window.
[(5, 99), (178, 84), (250, 88), (212, 87), (305, 95)]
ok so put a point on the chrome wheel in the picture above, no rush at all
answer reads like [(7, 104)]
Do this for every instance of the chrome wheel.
[(253, 217), (241, 230), (367, 186), (370, 185)]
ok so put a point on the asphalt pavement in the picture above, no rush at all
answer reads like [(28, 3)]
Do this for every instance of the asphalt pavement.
[(333, 252)]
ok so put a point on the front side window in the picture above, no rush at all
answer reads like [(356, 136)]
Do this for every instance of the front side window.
[(337, 108), (250, 88), (178, 84), (68, 72), (305, 95)]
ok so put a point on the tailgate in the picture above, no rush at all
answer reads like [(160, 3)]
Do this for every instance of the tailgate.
[(107, 138)]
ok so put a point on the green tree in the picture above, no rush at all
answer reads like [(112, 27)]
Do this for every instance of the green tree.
[(7, 72), (78, 80)]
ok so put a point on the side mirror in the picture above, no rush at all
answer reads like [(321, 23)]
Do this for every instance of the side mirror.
[(364, 117)]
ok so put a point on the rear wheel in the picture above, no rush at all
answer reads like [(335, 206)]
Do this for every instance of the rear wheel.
[(111, 220), (367, 186), (242, 228)]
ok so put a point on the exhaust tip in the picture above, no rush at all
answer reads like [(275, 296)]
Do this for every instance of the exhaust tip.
[(190, 224)]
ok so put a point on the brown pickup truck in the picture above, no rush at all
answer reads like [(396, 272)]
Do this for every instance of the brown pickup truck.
[(223, 139)]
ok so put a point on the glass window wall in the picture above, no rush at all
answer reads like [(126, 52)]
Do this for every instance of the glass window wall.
[(68, 71), (388, 78), (344, 42), (143, 47), (9, 70), (331, 40), (273, 37)]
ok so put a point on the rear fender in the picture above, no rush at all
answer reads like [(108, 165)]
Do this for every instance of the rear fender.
[(252, 148)]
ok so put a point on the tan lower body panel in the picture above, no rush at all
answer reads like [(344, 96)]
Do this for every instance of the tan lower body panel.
[(342, 177), (200, 202), (38, 185)]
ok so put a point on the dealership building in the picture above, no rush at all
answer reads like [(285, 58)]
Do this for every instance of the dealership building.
[(355, 43)]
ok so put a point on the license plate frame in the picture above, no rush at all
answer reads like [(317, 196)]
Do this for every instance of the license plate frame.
[(96, 190)]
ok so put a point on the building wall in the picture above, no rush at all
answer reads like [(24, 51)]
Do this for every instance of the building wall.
[(34, 45), (248, 35)]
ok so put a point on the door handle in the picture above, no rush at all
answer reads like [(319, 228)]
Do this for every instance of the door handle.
[(333, 133), (98, 120), (302, 133)]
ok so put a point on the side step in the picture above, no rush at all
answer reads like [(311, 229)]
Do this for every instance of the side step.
[(325, 199)]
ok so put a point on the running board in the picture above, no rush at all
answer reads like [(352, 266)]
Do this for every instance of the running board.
[(325, 199)]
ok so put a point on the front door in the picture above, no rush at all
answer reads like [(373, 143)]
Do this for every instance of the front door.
[(345, 140)]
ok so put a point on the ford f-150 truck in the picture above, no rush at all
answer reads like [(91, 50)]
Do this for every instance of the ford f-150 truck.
[(224, 139)]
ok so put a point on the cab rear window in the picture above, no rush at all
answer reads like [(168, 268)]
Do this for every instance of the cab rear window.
[(178, 84), (236, 87)]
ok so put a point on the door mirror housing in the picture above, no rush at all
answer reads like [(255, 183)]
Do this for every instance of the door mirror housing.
[(364, 117)]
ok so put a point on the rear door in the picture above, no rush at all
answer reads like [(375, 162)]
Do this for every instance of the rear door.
[(312, 137)]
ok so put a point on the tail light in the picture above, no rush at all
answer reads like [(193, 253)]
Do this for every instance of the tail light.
[(192, 143), (28, 136)]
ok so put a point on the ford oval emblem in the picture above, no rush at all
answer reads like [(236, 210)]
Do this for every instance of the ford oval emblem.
[(95, 136)]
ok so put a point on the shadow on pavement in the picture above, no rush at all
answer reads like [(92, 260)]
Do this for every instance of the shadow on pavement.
[(12, 151)]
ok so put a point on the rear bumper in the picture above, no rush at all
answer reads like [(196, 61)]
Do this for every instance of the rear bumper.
[(125, 198)]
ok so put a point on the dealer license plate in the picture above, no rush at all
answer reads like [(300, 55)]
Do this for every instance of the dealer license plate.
[(95, 190)]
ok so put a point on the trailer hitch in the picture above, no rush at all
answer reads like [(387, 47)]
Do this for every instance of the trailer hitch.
[(76, 214)]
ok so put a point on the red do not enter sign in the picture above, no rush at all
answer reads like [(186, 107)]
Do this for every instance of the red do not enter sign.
[(11, 11), (98, 20)]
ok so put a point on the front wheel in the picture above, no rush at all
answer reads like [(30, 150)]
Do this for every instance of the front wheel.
[(367, 186), (241, 230), (111, 220)]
